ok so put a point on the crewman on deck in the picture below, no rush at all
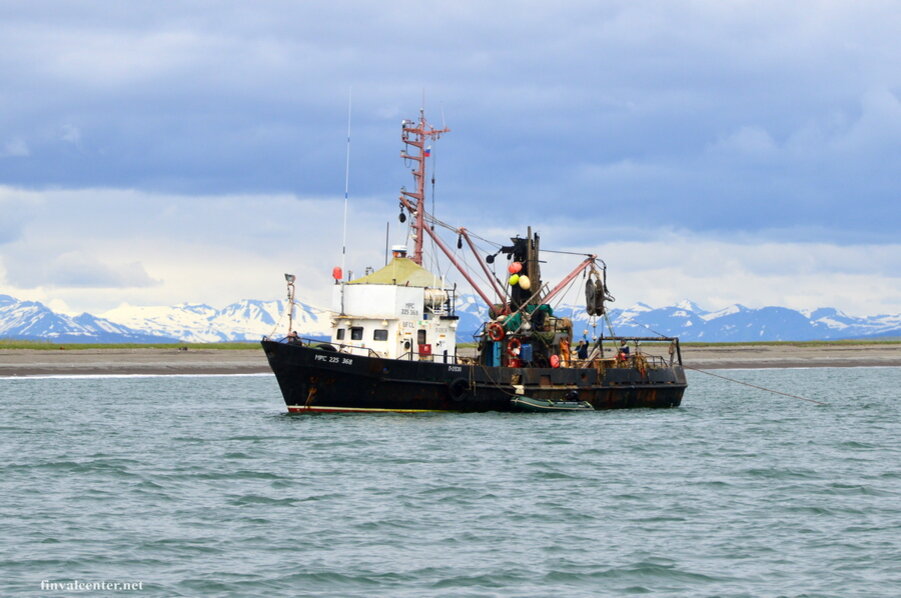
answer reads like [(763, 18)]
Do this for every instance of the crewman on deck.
[(582, 349)]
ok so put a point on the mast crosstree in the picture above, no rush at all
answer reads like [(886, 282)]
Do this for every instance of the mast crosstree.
[(416, 136)]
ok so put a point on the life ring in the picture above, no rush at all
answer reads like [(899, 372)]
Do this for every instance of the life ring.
[(458, 388), (513, 346), (495, 331)]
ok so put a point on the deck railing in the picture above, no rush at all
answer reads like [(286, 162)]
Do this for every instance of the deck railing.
[(598, 359)]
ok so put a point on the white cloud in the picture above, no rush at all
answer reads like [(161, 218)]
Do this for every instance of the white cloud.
[(660, 266), (70, 133), (155, 249), (15, 148), (96, 248), (749, 141), (72, 269)]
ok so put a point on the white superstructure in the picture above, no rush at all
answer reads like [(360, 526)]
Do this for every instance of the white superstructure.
[(402, 311)]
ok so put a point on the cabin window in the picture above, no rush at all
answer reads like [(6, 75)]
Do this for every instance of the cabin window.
[(420, 337), (340, 334), (380, 335), (356, 333)]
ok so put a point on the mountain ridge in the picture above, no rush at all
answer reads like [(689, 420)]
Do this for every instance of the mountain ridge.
[(251, 319)]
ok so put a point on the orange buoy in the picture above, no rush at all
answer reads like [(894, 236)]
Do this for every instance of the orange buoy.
[(495, 331), (337, 274), (514, 268), (555, 361)]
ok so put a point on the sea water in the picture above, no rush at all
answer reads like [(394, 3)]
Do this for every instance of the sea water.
[(203, 486)]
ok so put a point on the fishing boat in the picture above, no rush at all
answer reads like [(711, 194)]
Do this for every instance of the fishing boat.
[(393, 344)]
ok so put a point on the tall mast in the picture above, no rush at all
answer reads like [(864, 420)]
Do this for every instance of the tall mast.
[(416, 136)]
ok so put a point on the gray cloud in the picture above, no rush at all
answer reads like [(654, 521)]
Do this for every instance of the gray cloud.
[(17, 209), (704, 116)]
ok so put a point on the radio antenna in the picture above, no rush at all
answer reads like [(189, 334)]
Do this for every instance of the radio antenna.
[(346, 182)]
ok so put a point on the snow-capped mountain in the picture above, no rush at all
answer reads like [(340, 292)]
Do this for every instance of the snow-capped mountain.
[(690, 322), (249, 320), (31, 320), (738, 323)]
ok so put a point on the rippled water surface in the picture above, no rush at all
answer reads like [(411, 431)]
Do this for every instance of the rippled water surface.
[(202, 486)]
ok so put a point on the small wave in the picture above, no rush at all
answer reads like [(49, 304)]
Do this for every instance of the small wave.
[(555, 475), (641, 571), (860, 489), (179, 546), (334, 578), (243, 474), (236, 455), (256, 499), (485, 580), (659, 519), (444, 492), (325, 497), (818, 510), (782, 474), (858, 445), (113, 466)]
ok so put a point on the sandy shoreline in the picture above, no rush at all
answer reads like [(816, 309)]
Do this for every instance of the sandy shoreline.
[(27, 362), (81, 362), (791, 356)]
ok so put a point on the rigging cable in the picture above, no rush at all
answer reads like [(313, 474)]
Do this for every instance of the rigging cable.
[(565, 293), (739, 381), (436, 221), (568, 252), (434, 172), (785, 394)]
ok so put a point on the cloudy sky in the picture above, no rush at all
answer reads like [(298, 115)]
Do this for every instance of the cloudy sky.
[(723, 151)]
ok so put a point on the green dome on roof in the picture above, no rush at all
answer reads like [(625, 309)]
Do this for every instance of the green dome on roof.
[(401, 271)]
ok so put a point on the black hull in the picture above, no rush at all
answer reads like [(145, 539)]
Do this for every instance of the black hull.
[(315, 380)]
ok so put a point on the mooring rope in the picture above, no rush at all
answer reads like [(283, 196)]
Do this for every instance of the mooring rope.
[(754, 386), (739, 381)]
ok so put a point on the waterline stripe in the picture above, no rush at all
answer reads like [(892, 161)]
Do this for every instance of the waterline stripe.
[(301, 408)]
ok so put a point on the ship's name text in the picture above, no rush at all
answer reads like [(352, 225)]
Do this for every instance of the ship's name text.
[(409, 310), (341, 360)]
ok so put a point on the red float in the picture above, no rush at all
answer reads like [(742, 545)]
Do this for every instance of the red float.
[(495, 331)]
